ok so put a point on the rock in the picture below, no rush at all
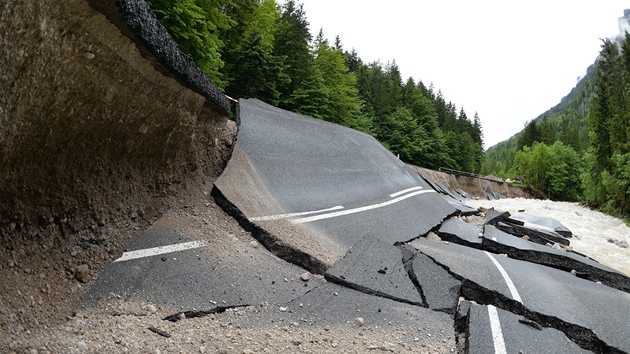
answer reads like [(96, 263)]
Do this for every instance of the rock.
[(81, 273), (88, 55), (304, 277), (296, 342), (151, 308), (81, 346), (358, 322), (389, 346), (202, 350), (248, 351), (620, 243)]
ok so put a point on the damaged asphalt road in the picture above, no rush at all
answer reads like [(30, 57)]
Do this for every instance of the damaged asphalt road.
[(346, 234)]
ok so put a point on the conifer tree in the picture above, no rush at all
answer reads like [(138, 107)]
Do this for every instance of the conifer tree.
[(292, 38), (196, 27)]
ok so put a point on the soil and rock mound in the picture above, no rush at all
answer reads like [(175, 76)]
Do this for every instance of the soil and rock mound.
[(99, 136)]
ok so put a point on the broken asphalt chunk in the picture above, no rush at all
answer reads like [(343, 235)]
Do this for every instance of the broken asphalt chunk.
[(545, 223), (463, 194), (590, 314), (462, 209), (440, 289), (537, 236), (200, 313), (376, 268), (160, 332), (490, 327), (498, 241), (490, 194), (494, 216), (445, 190), (460, 232)]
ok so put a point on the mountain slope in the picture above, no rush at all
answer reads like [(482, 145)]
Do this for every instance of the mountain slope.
[(568, 119)]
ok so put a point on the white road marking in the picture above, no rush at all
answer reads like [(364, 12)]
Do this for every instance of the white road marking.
[(497, 334), (358, 210), (405, 191), (160, 250), (292, 215), (506, 277)]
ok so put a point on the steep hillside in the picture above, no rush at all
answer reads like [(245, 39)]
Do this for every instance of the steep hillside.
[(104, 125), (568, 119)]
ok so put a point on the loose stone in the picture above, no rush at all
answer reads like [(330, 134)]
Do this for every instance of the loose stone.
[(82, 272), (358, 322)]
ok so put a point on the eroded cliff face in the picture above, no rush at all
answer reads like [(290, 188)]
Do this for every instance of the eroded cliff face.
[(475, 186), (98, 131)]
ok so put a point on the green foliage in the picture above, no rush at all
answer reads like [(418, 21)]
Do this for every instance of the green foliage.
[(568, 119), (195, 26), (607, 181), (292, 38), (256, 71), (554, 170), (255, 48)]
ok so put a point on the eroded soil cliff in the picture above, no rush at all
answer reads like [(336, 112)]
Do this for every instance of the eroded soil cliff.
[(99, 135)]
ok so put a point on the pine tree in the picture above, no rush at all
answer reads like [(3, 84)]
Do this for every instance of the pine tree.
[(546, 131), (257, 71), (292, 38), (529, 135), (602, 105), (196, 25), (340, 83)]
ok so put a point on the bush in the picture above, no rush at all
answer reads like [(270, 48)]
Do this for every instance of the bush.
[(555, 171)]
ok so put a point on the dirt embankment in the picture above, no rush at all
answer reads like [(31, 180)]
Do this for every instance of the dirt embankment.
[(474, 186), (104, 125)]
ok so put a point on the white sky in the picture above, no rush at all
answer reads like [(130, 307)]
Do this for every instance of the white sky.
[(509, 61)]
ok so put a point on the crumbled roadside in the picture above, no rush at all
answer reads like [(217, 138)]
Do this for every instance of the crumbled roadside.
[(121, 327)]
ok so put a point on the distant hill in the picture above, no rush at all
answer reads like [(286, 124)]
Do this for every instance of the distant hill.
[(568, 119)]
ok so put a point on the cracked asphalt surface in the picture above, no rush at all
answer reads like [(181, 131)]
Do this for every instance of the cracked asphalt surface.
[(345, 234)]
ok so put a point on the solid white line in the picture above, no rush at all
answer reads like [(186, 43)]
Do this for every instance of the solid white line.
[(357, 210), (292, 215), (160, 250), (506, 277), (497, 334), (405, 191)]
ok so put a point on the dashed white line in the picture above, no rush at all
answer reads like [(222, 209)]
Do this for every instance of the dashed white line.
[(497, 334), (292, 215), (358, 210), (148, 252), (506, 277)]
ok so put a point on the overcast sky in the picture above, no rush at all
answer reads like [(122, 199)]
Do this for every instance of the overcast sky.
[(509, 61)]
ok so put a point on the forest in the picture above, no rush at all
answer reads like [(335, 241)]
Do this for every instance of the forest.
[(580, 149), (261, 49)]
